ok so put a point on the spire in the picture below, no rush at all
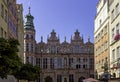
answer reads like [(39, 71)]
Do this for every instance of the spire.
[(82, 38), (65, 39), (88, 38), (29, 9), (47, 36), (41, 38), (71, 37), (29, 6)]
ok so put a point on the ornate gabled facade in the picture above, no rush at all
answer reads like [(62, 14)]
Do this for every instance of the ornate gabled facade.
[(65, 61), (59, 61)]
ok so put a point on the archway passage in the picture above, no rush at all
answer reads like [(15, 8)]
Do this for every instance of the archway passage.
[(81, 79), (65, 79), (48, 79)]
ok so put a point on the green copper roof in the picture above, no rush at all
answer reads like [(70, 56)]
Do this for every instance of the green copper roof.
[(29, 21)]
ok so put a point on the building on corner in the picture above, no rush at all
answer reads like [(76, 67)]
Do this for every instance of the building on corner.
[(114, 38), (101, 37)]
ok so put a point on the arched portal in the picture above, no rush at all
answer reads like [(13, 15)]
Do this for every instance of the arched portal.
[(48, 79), (81, 79)]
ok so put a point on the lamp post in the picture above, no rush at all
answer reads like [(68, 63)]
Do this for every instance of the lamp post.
[(41, 80), (105, 75)]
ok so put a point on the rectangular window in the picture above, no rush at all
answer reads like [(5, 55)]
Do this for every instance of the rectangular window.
[(27, 47), (91, 63), (52, 63), (113, 55), (100, 22), (117, 28), (113, 34), (6, 18), (27, 59), (112, 14), (118, 52), (38, 62), (59, 62), (70, 62), (31, 47), (117, 9), (44, 63), (2, 10), (105, 29)]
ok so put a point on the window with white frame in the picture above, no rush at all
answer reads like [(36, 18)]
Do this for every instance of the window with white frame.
[(27, 47), (100, 22), (113, 55), (113, 34), (112, 14), (59, 62), (6, 15), (52, 63), (31, 47), (117, 9), (45, 63), (70, 62), (38, 62), (117, 28), (105, 29), (118, 52)]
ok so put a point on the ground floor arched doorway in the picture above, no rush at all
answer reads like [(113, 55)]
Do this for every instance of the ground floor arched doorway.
[(81, 79), (48, 79)]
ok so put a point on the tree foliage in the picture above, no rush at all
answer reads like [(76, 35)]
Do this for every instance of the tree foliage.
[(9, 59), (28, 72)]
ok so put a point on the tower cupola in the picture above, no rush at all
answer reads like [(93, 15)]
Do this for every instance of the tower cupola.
[(29, 21)]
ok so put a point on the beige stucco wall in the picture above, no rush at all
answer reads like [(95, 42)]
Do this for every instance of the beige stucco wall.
[(3, 24), (114, 44), (101, 36)]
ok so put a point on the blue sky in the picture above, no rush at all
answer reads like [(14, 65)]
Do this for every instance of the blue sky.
[(64, 16)]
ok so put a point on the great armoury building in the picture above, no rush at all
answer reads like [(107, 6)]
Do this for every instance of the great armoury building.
[(59, 61)]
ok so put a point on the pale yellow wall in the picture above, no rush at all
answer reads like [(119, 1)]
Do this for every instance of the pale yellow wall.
[(101, 36)]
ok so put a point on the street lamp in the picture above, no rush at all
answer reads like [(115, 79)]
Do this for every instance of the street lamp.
[(41, 80), (105, 75)]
